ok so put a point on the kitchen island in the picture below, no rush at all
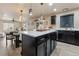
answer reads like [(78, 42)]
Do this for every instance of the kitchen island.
[(38, 43)]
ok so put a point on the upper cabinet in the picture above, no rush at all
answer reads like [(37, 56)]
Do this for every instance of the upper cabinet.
[(67, 21), (53, 20)]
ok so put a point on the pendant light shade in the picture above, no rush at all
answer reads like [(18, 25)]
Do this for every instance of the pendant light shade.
[(41, 17), (21, 16), (41, 3), (30, 11)]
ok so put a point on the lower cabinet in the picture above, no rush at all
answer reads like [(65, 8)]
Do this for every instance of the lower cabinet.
[(76, 38), (60, 35), (70, 37)]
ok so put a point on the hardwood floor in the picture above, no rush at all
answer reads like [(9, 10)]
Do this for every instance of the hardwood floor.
[(8, 50), (62, 49)]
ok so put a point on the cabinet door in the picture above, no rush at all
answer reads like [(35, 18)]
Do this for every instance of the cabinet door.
[(28, 48), (68, 36), (53, 36), (76, 38), (60, 35)]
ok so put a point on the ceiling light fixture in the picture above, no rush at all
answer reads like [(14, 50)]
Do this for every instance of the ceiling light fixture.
[(30, 11), (41, 3), (21, 15), (41, 17), (21, 20), (50, 4), (65, 9)]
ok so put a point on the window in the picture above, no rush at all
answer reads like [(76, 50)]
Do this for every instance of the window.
[(53, 20), (67, 21)]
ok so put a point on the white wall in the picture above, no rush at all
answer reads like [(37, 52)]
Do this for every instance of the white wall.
[(8, 27), (76, 18), (1, 26)]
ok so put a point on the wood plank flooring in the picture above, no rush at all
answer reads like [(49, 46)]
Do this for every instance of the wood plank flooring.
[(62, 49), (8, 50)]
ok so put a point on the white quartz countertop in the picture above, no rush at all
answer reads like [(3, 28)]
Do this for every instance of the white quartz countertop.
[(69, 29), (37, 33)]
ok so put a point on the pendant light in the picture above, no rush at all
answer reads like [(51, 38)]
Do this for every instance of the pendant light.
[(41, 3), (21, 16), (30, 11), (21, 20), (41, 11)]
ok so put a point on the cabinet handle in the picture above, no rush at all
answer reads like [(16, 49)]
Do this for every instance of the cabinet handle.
[(42, 39)]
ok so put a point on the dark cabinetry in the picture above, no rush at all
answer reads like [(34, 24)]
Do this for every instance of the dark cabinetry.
[(76, 38), (71, 37), (53, 38), (28, 48), (60, 35), (38, 46), (68, 36)]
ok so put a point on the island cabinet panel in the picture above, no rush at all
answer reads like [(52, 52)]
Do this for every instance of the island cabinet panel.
[(53, 39), (28, 45)]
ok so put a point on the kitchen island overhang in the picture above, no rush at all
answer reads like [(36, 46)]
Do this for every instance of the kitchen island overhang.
[(38, 43)]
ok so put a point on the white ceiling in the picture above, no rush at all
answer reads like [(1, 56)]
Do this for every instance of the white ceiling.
[(11, 10)]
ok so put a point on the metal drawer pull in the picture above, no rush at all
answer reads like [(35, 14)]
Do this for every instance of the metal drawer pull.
[(42, 39)]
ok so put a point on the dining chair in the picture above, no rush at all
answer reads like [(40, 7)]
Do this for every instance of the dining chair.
[(9, 36), (17, 41)]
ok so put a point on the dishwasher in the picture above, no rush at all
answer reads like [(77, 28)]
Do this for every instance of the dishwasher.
[(41, 49)]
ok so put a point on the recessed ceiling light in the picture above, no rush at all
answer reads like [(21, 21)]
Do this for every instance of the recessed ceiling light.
[(54, 9), (65, 9), (50, 4)]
